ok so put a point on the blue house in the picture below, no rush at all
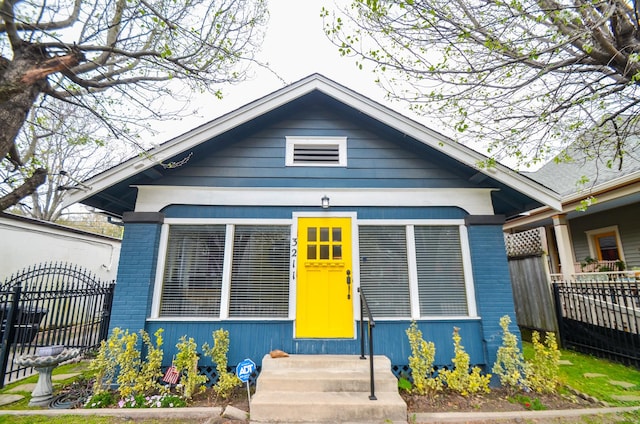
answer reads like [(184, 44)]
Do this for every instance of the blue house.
[(266, 221)]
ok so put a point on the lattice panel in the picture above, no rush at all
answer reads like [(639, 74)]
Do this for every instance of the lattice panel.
[(525, 243)]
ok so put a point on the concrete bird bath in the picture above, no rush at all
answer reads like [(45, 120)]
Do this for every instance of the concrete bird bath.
[(44, 364)]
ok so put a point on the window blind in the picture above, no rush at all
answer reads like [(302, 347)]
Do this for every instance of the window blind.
[(383, 270), (441, 283), (192, 278), (260, 272)]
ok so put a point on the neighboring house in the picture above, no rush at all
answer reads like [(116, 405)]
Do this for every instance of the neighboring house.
[(28, 242), (267, 220), (604, 236)]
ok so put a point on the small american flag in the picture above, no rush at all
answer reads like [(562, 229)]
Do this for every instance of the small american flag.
[(172, 375)]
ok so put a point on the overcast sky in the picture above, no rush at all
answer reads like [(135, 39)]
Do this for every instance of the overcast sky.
[(294, 47)]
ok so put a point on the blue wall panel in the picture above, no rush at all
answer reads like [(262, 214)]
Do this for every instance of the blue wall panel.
[(136, 275), (374, 160), (254, 339), (494, 295)]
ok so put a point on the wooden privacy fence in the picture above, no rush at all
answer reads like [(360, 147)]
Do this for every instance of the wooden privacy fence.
[(532, 294), (51, 304)]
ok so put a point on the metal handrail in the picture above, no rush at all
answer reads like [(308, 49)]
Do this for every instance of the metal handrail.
[(364, 307)]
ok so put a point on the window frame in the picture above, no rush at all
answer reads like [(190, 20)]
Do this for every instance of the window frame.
[(472, 311), (592, 240), (227, 268)]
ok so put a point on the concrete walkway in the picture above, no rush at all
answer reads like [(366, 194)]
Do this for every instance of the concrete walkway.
[(193, 415)]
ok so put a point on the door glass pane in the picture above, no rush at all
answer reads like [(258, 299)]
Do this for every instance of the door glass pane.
[(324, 234), (311, 251), (337, 234), (311, 234), (337, 251), (324, 251)]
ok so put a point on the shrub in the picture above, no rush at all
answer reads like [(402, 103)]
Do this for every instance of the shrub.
[(421, 362), (542, 372), (461, 379), (509, 365), (186, 363), (227, 381), (100, 400), (119, 358)]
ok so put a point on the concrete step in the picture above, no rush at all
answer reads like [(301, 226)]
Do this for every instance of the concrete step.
[(352, 362), (327, 407), (294, 380), (326, 389)]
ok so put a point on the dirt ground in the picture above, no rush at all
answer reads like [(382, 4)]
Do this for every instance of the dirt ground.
[(497, 400)]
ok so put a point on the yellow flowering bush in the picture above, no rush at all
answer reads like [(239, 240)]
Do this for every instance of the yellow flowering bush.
[(227, 381), (461, 379), (510, 364), (187, 365), (542, 372), (119, 358), (421, 362)]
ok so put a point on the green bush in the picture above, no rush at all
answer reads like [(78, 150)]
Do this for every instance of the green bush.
[(461, 379), (510, 364), (227, 381), (421, 362)]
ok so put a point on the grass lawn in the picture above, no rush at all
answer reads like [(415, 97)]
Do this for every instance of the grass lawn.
[(599, 387)]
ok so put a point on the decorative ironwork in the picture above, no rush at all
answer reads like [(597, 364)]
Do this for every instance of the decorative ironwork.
[(51, 304), (600, 318)]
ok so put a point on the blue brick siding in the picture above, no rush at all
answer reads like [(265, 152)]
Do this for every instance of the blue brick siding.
[(136, 275), (254, 339), (494, 296)]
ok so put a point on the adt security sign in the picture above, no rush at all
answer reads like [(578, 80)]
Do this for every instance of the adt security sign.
[(244, 370)]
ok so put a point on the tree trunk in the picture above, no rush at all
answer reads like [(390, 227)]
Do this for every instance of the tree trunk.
[(17, 98), (30, 185)]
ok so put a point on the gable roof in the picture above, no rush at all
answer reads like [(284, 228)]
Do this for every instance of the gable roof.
[(113, 187), (563, 177), (605, 187)]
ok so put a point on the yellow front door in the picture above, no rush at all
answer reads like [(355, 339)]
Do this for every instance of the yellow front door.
[(324, 305)]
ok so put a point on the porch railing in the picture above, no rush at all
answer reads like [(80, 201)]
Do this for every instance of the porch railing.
[(364, 307)]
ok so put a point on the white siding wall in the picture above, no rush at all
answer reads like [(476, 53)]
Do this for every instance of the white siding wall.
[(26, 242)]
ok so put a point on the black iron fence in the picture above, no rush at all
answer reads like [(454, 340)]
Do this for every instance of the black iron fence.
[(51, 304), (600, 318)]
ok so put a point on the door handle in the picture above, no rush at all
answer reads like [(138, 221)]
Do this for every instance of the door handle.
[(348, 284)]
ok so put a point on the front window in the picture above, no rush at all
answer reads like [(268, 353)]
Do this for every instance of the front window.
[(260, 272), (193, 271), (197, 280)]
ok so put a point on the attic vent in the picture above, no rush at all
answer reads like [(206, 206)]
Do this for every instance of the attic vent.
[(316, 151)]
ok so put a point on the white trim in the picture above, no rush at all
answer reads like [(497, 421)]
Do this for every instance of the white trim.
[(161, 260), (293, 141), (414, 289), (475, 201), (468, 271), (592, 234), (355, 267), (227, 262), (225, 221), (189, 140), (212, 319), (405, 222)]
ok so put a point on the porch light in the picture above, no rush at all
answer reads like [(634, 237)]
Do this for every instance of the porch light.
[(325, 202)]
